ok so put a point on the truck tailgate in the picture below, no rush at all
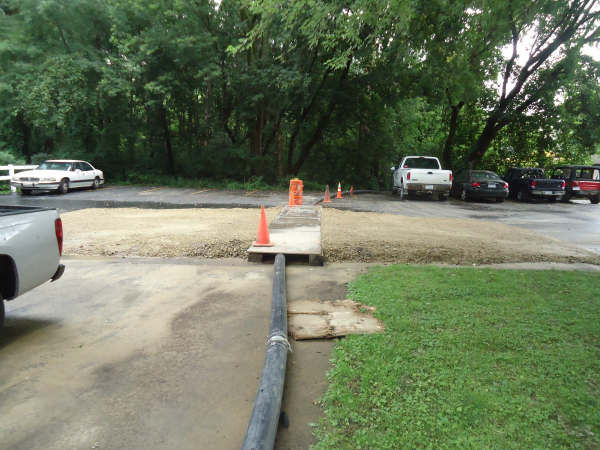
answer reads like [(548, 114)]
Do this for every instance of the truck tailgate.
[(543, 183), (424, 176)]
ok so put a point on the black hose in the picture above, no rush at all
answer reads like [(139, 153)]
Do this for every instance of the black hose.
[(358, 191), (262, 428)]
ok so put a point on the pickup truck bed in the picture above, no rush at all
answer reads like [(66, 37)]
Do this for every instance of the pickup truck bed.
[(30, 249)]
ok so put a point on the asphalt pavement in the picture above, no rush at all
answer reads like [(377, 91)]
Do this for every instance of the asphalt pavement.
[(151, 197), (577, 222)]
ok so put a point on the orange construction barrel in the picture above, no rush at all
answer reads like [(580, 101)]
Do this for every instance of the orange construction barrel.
[(295, 192)]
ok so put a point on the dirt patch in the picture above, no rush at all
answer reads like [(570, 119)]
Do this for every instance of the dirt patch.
[(374, 237), (347, 236)]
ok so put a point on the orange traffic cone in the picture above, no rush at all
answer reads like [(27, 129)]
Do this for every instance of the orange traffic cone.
[(327, 199), (263, 239), (339, 191), (351, 190)]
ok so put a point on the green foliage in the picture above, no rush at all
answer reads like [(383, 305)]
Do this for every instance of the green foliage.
[(470, 359)]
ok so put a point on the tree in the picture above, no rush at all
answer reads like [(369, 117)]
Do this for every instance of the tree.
[(559, 30)]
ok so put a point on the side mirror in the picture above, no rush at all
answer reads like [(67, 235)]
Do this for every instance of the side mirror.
[(393, 168)]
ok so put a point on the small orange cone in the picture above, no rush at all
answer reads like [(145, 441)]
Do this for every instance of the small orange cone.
[(351, 190), (263, 239), (327, 199), (339, 191)]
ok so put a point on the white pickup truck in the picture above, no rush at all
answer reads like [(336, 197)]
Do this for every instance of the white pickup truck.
[(422, 175), (31, 241)]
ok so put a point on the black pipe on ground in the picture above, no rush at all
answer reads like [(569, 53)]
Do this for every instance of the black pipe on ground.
[(262, 428)]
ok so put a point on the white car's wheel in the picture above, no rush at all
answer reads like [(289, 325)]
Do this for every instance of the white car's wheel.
[(96, 184), (63, 187)]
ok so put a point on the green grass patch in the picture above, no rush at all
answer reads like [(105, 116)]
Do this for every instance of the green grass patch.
[(471, 359)]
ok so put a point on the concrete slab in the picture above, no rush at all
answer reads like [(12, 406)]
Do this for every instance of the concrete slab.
[(152, 353), (295, 231)]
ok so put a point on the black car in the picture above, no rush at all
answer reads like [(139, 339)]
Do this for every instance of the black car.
[(478, 184)]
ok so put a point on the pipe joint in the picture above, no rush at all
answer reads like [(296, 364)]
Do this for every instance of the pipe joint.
[(279, 338)]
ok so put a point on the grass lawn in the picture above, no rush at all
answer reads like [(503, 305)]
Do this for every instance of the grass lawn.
[(471, 359)]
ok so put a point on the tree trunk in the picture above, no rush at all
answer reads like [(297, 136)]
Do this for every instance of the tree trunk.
[(280, 153), (484, 141), (451, 132), (26, 134), (207, 114), (165, 125), (318, 134)]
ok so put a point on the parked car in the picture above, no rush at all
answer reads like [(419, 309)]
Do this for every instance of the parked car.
[(60, 175), (421, 175), (582, 182), (527, 182), (478, 184), (31, 241)]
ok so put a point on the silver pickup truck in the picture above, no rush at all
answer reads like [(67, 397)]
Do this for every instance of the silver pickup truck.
[(31, 241)]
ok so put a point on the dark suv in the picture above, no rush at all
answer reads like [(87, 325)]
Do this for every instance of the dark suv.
[(582, 182)]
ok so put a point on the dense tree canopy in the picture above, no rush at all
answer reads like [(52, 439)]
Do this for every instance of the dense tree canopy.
[(335, 90)]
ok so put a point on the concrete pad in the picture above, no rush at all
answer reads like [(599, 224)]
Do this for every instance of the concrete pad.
[(156, 353), (295, 231)]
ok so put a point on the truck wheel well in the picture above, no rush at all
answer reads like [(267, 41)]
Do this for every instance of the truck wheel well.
[(8, 277)]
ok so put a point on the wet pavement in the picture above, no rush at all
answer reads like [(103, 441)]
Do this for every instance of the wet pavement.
[(577, 222), (152, 197), (148, 353)]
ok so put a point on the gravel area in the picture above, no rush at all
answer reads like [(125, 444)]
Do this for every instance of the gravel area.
[(347, 236)]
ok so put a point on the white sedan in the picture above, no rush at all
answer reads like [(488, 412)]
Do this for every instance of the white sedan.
[(59, 174)]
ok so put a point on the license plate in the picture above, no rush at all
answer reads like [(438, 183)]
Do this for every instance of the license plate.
[(27, 184), (491, 185), (546, 192), (429, 186), (575, 188)]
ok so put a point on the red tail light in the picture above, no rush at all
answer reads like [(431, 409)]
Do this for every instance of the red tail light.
[(564, 185), (533, 184), (408, 176), (505, 185), (476, 184), (59, 234), (450, 176)]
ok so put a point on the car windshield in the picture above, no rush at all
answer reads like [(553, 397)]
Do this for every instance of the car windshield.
[(484, 176), (49, 165), (531, 173), (421, 163)]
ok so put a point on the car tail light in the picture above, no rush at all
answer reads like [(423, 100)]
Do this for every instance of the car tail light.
[(533, 184), (564, 185), (505, 185), (476, 184), (450, 176), (408, 176), (59, 234)]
